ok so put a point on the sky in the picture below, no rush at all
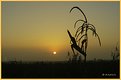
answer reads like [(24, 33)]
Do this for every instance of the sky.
[(32, 31)]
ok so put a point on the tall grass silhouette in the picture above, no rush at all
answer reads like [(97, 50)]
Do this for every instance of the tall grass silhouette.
[(81, 35), (115, 54)]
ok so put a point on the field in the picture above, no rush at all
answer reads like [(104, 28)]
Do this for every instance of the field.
[(90, 69)]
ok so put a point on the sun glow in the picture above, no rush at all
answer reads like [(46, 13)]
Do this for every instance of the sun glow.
[(54, 52)]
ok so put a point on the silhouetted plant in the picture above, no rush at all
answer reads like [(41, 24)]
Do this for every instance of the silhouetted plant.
[(115, 53), (69, 57), (80, 59), (74, 58), (82, 30), (74, 45)]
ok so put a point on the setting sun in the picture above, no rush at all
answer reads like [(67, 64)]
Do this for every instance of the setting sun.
[(54, 52)]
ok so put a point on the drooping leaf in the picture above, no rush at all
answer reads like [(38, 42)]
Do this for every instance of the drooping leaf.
[(86, 46), (81, 37), (77, 22), (79, 10), (93, 31), (92, 26), (84, 40), (79, 28), (98, 39), (78, 35)]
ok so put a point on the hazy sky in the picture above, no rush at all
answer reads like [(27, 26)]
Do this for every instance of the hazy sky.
[(31, 31)]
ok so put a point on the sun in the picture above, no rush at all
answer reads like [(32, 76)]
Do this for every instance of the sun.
[(54, 52)]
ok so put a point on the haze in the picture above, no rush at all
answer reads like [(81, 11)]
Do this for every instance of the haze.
[(32, 31)]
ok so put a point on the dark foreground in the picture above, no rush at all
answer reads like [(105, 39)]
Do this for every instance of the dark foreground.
[(91, 69)]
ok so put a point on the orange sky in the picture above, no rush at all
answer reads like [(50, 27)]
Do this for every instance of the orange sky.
[(33, 30)]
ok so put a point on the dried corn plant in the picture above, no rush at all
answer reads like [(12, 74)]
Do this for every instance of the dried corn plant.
[(81, 35)]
